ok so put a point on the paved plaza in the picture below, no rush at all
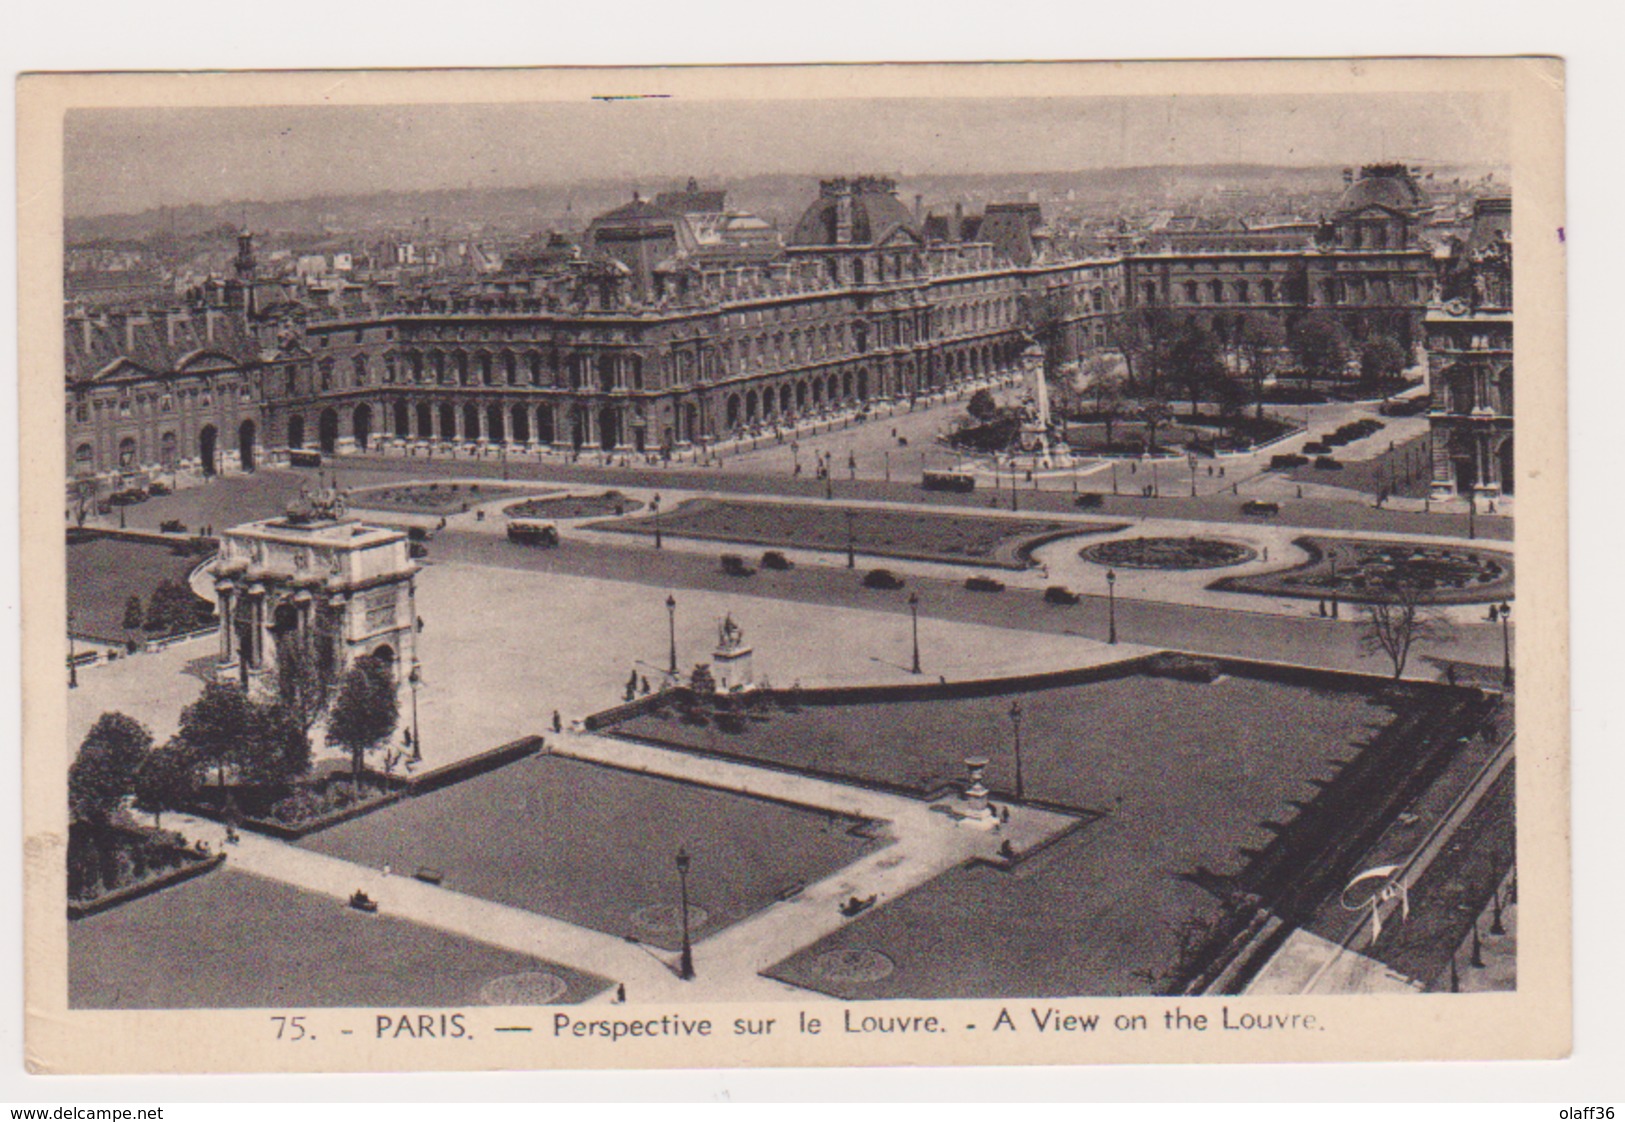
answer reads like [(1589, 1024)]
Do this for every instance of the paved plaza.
[(556, 875)]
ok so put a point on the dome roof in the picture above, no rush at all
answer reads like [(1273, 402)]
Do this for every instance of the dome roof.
[(1385, 185), (876, 214)]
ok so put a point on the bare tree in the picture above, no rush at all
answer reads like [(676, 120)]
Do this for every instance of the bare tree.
[(1395, 627)]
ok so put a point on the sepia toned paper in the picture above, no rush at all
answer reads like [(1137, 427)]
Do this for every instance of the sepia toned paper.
[(1001, 1009)]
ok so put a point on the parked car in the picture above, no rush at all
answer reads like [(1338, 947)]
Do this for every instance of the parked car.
[(1060, 594), (980, 583), (1090, 500), (155, 489), (417, 550), (172, 526), (773, 559), (1260, 507), (882, 578), (304, 459), (735, 565)]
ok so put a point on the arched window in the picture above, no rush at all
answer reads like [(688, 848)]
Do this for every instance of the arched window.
[(359, 364), (126, 453), (84, 460)]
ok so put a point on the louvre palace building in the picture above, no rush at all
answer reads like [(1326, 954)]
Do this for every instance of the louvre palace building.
[(677, 323)]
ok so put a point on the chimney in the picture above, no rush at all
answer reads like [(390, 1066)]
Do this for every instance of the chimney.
[(919, 209), (208, 323), (843, 214), (958, 232)]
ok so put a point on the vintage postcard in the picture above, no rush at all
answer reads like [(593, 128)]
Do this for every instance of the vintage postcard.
[(936, 564)]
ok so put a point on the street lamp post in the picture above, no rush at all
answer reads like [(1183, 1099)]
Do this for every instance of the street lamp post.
[(685, 964), (1191, 460), (412, 680), (671, 624), (1331, 555), (1472, 513), (851, 554), (656, 505), (1015, 724), (914, 614), (1506, 644), (1111, 605), (73, 657)]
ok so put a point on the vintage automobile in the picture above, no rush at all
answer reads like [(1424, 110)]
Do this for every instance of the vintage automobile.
[(773, 559), (735, 565), (1261, 508), (525, 531), (980, 583), (1060, 594), (882, 578)]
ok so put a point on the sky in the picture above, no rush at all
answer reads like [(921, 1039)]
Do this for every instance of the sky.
[(128, 160)]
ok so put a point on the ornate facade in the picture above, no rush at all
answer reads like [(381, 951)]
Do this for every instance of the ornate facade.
[(679, 322), (1469, 340)]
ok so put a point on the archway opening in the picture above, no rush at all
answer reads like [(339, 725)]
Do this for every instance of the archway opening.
[(245, 445), (361, 426), (296, 431), (403, 420), (521, 424), (609, 428), (206, 440)]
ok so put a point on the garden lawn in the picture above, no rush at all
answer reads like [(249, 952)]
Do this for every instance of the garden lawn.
[(594, 845), (434, 498), (1404, 471), (918, 534), (1193, 781), (104, 572), (230, 940)]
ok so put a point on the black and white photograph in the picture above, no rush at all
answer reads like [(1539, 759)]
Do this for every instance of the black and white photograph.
[(621, 569)]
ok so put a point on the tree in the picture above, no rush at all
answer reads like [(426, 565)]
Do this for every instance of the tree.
[(98, 780), (1108, 394), (1262, 341), (1045, 317), (1194, 360), (1154, 412), (981, 406), (132, 614), (166, 780), (701, 681), (1395, 627), (216, 725), (304, 686), (1381, 359), (1232, 398), (124, 737), (1321, 348), (365, 712), (1146, 336), (278, 751)]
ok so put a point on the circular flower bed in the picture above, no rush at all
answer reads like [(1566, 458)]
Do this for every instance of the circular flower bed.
[(1167, 553), (853, 966), (575, 506), (534, 987), (666, 920)]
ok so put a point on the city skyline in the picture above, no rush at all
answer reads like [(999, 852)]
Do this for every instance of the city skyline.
[(122, 161)]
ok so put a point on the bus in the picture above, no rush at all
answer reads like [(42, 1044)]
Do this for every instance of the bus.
[(960, 481)]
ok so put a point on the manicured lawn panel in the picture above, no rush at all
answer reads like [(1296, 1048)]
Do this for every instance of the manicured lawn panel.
[(918, 534), (104, 572), (593, 845), (232, 940)]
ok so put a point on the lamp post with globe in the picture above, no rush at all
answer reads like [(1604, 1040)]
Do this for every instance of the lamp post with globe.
[(914, 617), (671, 626), (1506, 644), (1111, 605), (1015, 725), (685, 963)]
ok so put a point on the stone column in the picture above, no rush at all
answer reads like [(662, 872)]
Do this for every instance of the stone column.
[(228, 622)]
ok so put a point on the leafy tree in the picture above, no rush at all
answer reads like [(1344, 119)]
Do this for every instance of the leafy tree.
[(1381, 359), (132, 614), (1262, 341), (701, 681), (98, 780), (1108, 393), (126, 738), (166, 779), (1147, 337), (1232, 397), (1321, 347), (1154, 412), (278, 751), (172, 608), (84, 498), (1195, 361), (1044, 316), (1396, 628), (217, 724), (365, 712), (303, 683), (981, 406)]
